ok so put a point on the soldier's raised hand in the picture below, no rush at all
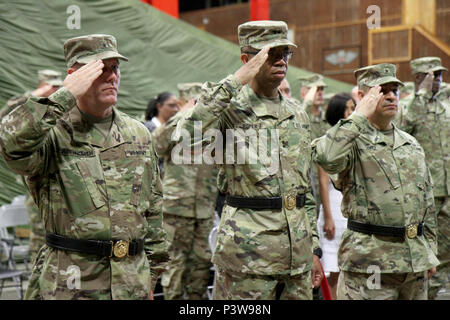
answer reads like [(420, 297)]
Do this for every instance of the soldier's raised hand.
[(427, 82), (369, 102), (249, 70), (80, 80), (311, 94)]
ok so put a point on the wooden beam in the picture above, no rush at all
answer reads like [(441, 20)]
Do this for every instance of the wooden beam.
[(415, 12)]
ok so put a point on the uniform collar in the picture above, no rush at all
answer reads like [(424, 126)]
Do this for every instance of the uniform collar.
[(253, 102), (376, 136), (81, 129)]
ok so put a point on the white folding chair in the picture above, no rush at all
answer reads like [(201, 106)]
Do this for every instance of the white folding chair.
[(11, 216)]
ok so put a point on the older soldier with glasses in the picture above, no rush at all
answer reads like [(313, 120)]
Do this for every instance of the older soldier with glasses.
[(389, 248), (92, 171), (268, 233)]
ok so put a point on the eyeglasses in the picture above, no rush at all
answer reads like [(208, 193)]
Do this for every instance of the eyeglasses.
[(275, 55)]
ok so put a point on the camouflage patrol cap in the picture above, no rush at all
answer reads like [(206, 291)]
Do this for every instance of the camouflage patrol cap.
[(257, 34), (189, 90), (91, 47), (51, 77), (312, 80), (375, 75), (426, 64)]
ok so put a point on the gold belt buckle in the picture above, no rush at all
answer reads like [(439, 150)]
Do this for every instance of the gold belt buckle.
[(411, 231), (121, 249), (290, 201)]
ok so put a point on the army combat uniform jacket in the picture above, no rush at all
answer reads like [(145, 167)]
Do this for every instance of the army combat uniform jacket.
[(86, 191), (190, 190), (429, 123), (381, 185), (263, 242)]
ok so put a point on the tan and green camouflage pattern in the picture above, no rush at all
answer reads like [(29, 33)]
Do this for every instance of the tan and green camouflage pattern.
[(189, 90), (51, 77), (189, 190), (314, 80), (13, 103), (426, 64), (376, 75), (397, 286), (88, 191), (441, 278), (91, 47), (408, 88), (37, 231), (236, 286), (257, 34), (381, 185), (190, 258), (428, 120), (189, 198), (264, 242)]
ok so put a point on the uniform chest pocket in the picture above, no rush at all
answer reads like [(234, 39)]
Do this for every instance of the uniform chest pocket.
[(141, 167), (80, 183)]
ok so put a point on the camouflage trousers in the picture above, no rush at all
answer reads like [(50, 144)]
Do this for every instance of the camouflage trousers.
[(391, 286), (238, 286), (190, 257), (441, 278)]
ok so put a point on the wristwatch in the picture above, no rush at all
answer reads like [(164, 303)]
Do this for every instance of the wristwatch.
[(318, 252)]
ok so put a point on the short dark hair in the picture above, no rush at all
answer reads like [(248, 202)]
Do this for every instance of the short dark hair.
[(152, 107), (336, 107)]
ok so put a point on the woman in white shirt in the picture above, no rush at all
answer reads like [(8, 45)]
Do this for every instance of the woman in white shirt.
[(331, 224), (160, 109)]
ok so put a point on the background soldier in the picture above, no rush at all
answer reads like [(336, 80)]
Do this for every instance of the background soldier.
[(92, 171), (312, 90), (427, 119), (268, 227), (387, 196), (190, 193), (49, 82)]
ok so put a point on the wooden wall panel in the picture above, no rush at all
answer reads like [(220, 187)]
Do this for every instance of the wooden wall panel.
[(320, 26), (394, 45), (443, 20)]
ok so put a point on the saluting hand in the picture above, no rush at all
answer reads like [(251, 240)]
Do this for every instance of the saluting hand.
[(369, 102), (249, 70), (311, 94), (79, 81), (427, 82)]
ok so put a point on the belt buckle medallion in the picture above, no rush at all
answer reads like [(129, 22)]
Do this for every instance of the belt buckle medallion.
[(411, 231), (289, 201), (121, 249)]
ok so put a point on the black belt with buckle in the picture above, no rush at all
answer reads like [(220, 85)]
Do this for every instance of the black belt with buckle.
[(410, 231), (290, 201), (116, 248)]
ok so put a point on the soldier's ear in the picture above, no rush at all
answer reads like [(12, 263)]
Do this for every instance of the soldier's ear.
[(244, 58)]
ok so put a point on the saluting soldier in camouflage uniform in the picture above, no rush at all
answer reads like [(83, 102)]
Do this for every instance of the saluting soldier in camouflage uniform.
[(428, 120), (189, 199), (49, 82), (93, 173), (267, 231), (390, 241), (312, 89)]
